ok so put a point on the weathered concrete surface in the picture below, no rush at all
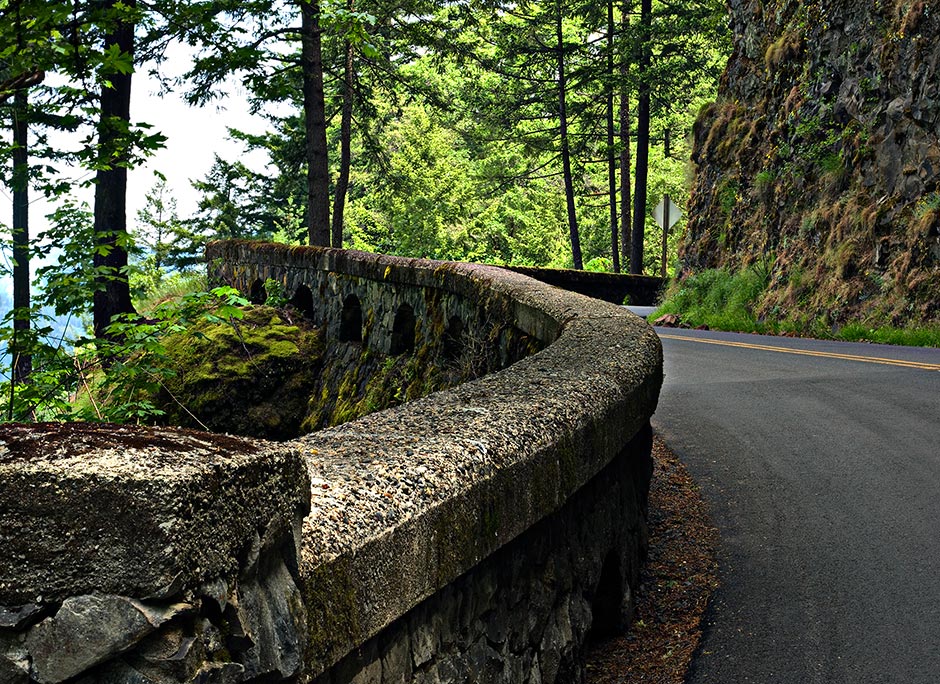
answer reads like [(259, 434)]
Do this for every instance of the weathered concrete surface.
[(524, 488), (463, 472), (407, 500), (148, 555), (522, 615), (141, 512)]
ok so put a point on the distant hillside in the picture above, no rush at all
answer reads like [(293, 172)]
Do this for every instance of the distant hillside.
[(821, 160)]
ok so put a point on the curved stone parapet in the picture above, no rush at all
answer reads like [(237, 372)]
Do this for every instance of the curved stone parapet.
[(477, 534), (407, 500)]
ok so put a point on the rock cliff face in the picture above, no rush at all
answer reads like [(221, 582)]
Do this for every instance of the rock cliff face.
[(821, 161)]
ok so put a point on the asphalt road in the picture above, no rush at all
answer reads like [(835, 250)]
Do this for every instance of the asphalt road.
[(822, 470)]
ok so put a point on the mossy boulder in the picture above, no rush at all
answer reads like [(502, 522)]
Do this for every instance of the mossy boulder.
[(272, 374), (251, 376)]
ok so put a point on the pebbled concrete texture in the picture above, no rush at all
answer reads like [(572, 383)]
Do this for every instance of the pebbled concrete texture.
[(137, 511), (406, 500), (403, 503)]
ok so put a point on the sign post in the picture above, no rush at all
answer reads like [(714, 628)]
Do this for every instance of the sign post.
[(666, 214)]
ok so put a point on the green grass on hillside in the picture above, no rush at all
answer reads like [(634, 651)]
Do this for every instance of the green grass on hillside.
[(718, 299), (729, 301)]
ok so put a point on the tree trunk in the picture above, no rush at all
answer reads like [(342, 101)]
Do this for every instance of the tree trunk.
[(642, 139), (19, 349), (611, 151), (345, 155), (112, 293), (318, 171), (565, 152), (625, 193)]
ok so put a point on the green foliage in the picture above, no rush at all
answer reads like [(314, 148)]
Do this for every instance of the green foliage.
[(455, 154), (598, 265), (163, 242), (719, 299), (729, 301), (68, 280), (455, 140), (728, 196), (928, 204), (275, 295), (926, 336), (171, 287), (111, 379), (765, 178)]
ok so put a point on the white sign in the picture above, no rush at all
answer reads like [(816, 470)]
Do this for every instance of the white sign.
[(661, 214)]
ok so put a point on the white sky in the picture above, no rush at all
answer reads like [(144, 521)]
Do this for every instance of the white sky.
[(194, 136)]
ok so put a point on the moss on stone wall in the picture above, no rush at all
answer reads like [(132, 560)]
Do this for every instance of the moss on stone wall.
[(274, 375)]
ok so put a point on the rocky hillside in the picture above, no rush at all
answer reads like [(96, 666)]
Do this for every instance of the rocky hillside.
[(820, 162)]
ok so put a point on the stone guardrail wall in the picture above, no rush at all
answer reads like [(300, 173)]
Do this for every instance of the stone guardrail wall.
[(478, 534), (616, 288)]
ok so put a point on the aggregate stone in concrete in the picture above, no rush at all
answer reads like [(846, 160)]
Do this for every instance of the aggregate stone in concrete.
[(91, 508), (398, 496)]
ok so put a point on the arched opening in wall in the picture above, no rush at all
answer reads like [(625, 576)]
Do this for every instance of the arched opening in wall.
[(350, 324), (303, 301), (403, 331), (256, 293), (607, 604), (453, 339)]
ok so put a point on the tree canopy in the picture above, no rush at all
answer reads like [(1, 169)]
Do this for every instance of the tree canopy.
[(535, 133)]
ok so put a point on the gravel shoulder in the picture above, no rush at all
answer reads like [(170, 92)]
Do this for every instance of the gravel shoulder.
[(679, 577)]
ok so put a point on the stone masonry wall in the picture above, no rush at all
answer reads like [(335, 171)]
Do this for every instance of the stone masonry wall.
[(459, 474), (314, 283), (523, 615), (477, 534)]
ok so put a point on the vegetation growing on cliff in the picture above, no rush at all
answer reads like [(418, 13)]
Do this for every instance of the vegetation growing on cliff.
[(821, 163), (723, 300)]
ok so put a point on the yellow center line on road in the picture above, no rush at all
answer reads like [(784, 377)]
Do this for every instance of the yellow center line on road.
[(806, 352)]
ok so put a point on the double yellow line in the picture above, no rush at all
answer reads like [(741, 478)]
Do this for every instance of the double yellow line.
[(805, 352)]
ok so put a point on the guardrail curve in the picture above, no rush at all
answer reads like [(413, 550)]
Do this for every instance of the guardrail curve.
[(483, 529)]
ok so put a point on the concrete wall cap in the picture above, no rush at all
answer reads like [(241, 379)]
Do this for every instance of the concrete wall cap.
[(143, 512)]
